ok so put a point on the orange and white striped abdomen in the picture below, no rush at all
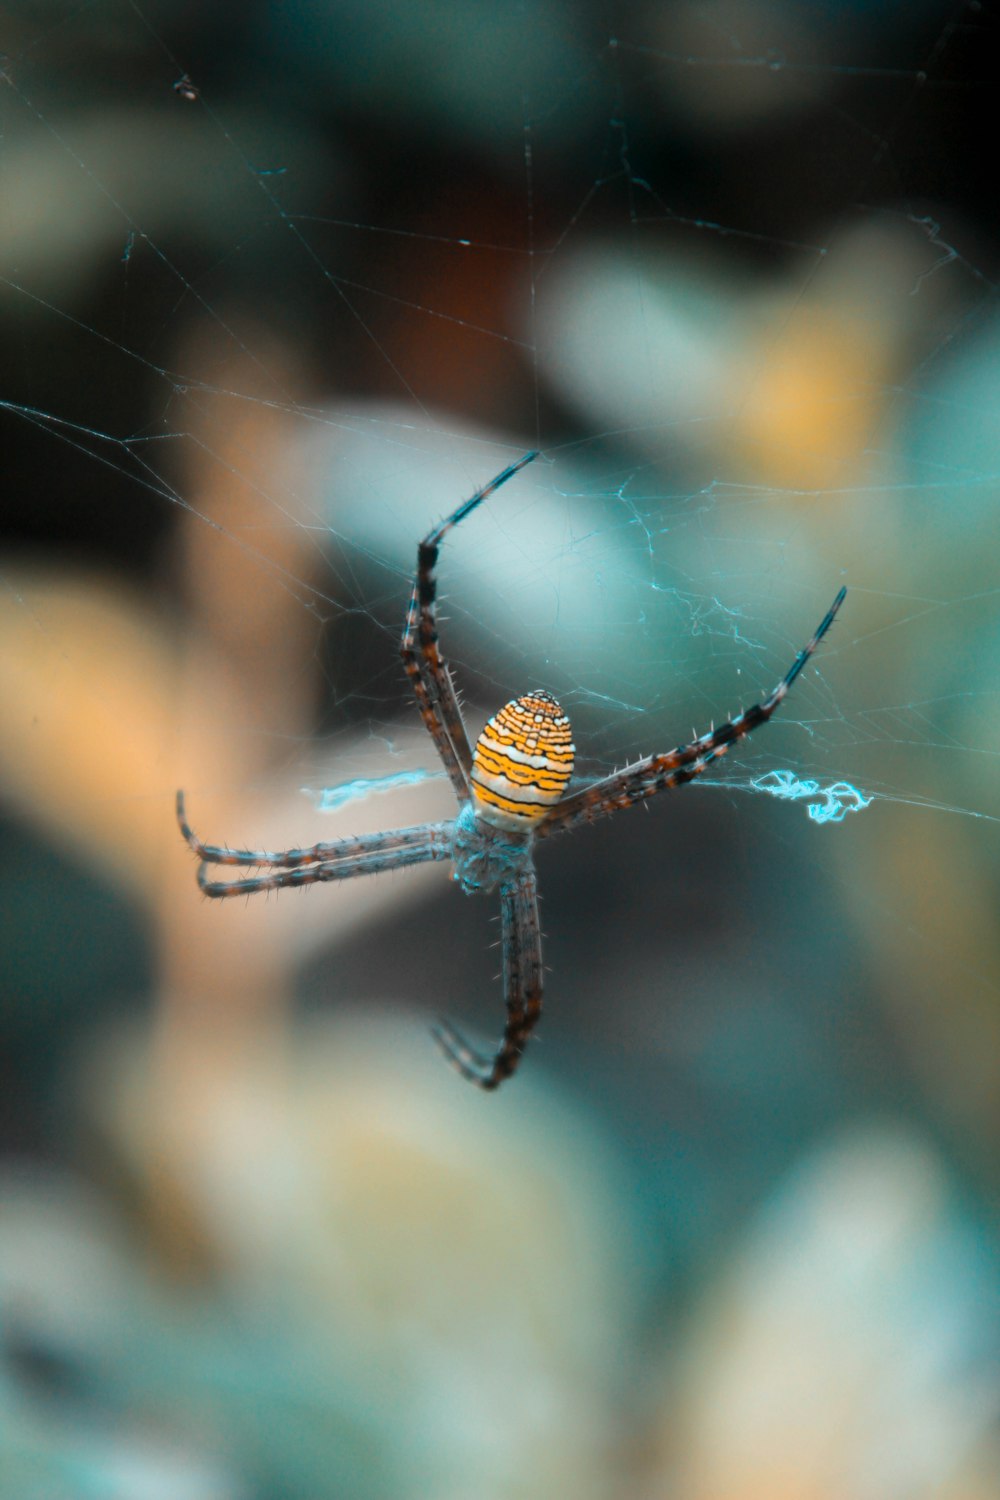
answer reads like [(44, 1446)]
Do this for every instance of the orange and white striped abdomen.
[(522, 761)]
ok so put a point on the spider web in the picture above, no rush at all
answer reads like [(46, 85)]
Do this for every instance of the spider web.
[(281, 286), (729, 271), (736, 413)]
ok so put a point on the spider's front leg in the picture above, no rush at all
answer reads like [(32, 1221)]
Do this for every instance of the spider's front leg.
[(341, 859), (522, 976), (430, 678), (659, 773)]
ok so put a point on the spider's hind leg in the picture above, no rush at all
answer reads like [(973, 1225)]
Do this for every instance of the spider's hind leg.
[(522, 973), (430, 678), (475, 1066)]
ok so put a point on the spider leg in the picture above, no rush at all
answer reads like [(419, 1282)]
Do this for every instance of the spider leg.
[(658, 773), (430, 677), (384, 852), (338, 849), (522, 973)]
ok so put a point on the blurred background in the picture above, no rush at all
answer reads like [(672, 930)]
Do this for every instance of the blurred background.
[(279, 286)]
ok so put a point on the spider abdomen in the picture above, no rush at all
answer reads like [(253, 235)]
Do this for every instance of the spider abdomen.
[(522, 761)]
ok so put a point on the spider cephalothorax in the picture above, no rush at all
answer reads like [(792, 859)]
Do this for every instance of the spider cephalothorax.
[(512, 789)]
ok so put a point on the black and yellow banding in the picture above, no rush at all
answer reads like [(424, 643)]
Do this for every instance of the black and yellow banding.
[(522, 762)]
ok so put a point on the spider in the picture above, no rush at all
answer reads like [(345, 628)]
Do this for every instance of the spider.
[(512, 790)]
